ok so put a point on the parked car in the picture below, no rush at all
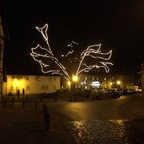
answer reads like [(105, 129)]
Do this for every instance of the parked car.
[(112, 94)]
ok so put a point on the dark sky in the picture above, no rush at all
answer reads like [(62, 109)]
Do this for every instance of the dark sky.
[(117, 25)]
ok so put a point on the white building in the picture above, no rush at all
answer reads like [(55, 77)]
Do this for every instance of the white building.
[(32, 84)]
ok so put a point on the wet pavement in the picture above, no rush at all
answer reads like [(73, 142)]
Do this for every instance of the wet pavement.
[(107, 132), (72, 123)]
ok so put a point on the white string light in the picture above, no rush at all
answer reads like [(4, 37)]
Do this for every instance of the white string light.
[(47, 60), (94, 52)]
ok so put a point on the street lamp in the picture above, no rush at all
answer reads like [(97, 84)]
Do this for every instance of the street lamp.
[(118, 82), (74, 78), (69, 85), (72, 86)]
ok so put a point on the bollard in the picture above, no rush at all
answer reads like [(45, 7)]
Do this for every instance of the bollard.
[(27, 99), (4, 104), (70, 99), (41, 99), (12, 101), (47, 121), (44, 109), (55, 98), (36, 105), (23, 104)]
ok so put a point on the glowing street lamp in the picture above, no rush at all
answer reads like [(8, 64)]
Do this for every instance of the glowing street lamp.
[(69, 85), (111, 83), (118, 82), (74, 78)]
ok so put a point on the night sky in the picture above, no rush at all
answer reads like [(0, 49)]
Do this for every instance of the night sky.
[(117, 25)]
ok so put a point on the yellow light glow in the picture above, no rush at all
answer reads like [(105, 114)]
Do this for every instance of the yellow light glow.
[(69, 83), (17, 82), (75, 78), (110, 83), (118, 82)]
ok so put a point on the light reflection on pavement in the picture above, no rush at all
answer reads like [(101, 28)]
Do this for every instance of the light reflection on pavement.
[(107, 132)]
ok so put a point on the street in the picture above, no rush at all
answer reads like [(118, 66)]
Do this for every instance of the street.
[(107, 121), (111, 121), (125, 107)]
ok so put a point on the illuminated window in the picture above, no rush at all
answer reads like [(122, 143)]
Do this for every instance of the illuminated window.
[(93, 78), (85, 78), (95, 84), (86, 87)]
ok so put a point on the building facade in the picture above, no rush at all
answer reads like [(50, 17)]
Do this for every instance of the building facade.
[(104, 82), (31, 84), (141, 72), (1, 56)]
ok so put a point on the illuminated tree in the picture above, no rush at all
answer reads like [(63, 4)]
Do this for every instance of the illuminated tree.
[(90, 58)]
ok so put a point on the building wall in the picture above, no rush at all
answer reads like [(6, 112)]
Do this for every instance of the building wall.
[(141, 73), (142, 82), (1, 56), (31, 84), (104, 81)]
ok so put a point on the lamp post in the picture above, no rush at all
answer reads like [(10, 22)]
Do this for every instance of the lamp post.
[(72, 86), (118, 83)]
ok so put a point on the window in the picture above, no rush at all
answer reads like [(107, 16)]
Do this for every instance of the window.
[(37, 78), (13, 77), (44, 87), (27, 77), (86, 87), (93, 78), (85, 78), (54, 87), (84, 82), (27, 87)]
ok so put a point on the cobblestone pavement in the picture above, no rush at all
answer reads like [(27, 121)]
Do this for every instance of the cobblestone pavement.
[(107, 132), (87, 122), (90, 124), (20, 125)]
